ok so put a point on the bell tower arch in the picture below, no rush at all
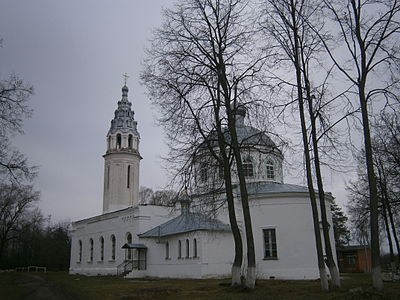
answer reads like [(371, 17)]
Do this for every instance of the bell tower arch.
[(122, 158)]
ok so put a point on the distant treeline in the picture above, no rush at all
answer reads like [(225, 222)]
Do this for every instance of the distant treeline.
[(36, 243)]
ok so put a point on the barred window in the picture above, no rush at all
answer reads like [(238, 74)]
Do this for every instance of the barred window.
[(270, 249), (248, 167), (203, 172), (270, 169)]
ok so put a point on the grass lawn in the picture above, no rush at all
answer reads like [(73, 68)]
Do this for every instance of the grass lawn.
[(107, 287)]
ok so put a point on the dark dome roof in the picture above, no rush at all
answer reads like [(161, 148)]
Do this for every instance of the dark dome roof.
[(247, 136)]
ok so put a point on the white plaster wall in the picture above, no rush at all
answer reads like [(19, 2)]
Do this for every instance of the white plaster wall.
[(218, 254), (173, 266), (117, 223), (117, 195), (292, 220), (291, 216)]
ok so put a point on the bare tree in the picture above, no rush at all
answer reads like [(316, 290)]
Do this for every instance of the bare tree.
[(368, 30), (386, 134), (15, 202), (195, 64), (14, 94), (298, 43)]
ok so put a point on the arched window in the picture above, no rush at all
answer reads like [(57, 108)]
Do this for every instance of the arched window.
[(194, 248), (119, 140), (187, 248), (270, 169), (129, 241), (101, 249), (113, 247), (220, 171), (203, 172), (128, 176), (248, 167), (91, 249), (109, 142), (130, 141), (80, 251), (166, 250), (179, 249)]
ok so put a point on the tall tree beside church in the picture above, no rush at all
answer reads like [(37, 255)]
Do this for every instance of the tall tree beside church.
[(285, 22), (199, 68), (369, 31)]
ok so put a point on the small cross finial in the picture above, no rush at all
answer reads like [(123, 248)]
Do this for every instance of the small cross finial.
[(125, 77)]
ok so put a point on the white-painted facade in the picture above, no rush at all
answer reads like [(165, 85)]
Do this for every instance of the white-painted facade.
[(281, 218)]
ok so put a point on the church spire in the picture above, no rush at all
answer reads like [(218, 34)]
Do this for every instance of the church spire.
[(125, 88), (122, 158)]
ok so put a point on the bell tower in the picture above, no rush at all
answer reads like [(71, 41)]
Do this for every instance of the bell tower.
[(122, 158)]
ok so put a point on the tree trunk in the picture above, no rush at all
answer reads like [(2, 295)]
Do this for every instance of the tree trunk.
[(330, 262), (237, 263), (377, 282), (390, 214), (251, 260), (317, 233), (391, 253)]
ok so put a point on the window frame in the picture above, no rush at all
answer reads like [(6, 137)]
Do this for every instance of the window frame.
[(101, 249), (167, 250), (113, 246), (187, 248), (129, 241), (270, 169), (203, 172), (195, 248), (179, 249), (272, 244), (248, 167), (80, 251), (91, 249)]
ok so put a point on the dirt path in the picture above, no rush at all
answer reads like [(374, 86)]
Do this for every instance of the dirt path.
[(37, 288)]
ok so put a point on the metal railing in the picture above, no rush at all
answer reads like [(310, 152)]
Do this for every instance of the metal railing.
[(31, 269), (129, 265), (125, 267)]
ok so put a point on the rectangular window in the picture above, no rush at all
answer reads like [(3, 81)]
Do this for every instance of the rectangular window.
[(270, 249)]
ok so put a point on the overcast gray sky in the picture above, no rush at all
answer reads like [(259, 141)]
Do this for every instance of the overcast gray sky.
[(74, 54)]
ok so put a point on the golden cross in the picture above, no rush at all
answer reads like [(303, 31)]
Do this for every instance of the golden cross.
[(125, 77)]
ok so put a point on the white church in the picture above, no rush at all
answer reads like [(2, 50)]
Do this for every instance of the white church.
[(135, 241)]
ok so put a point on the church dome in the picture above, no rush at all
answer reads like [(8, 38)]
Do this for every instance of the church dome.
[(261, 158)]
